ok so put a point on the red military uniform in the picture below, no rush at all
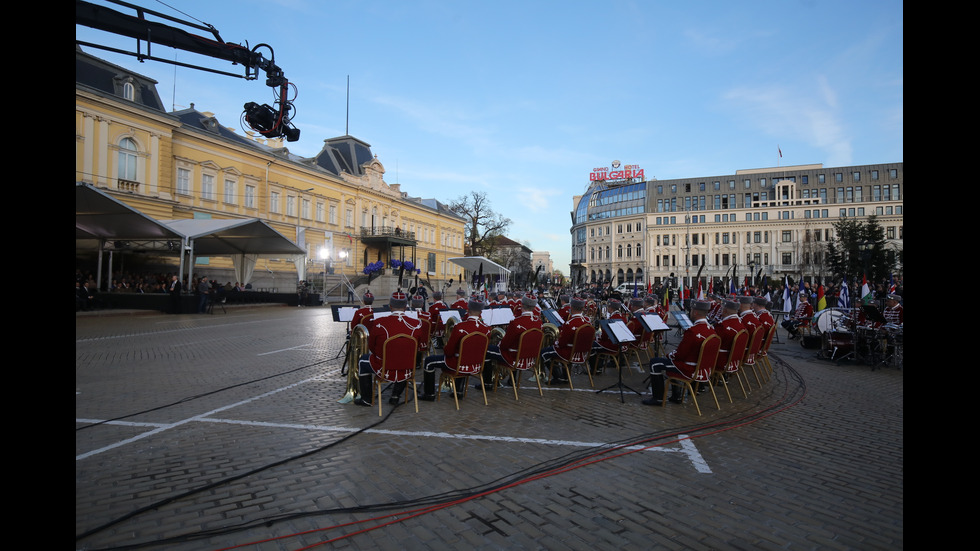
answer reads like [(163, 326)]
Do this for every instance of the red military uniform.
[(604, 341), (749, 321), (469, 325), (512, 337), (895, 314), (396, 323), (685, 356), (361, 316), (436, 318), (727, 328), (566, 335)]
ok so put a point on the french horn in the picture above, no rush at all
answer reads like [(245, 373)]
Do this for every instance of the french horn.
[(357, 347)]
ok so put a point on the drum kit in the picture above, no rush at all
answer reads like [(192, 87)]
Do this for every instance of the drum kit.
[(845, 335)]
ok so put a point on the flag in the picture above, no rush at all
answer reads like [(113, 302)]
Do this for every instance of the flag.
[(845, 298), (891, 283), (787, 301), (731, 287), (865, 291), (700, 291), (780, 151), (821, 300)]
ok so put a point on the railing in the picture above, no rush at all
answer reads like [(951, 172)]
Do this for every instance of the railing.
[(387, 231)]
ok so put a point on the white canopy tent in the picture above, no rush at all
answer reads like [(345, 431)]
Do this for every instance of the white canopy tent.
[(485, 266), (101, 219)]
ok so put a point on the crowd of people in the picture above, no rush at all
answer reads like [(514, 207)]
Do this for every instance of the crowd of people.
[(87, 293)]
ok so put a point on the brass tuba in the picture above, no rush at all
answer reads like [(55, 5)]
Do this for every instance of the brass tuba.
[(357, 347)]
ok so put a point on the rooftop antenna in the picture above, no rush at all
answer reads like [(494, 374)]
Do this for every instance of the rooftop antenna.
[(347, 127)]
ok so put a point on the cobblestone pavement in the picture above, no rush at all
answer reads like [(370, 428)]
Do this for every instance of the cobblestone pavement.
[(228, 431)]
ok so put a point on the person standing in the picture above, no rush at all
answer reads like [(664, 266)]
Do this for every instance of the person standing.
[(174, 289), (203, 290)]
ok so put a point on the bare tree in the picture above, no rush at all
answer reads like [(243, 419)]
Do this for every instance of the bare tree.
[(484, 224)]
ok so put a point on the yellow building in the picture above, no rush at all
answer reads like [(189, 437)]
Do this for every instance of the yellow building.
[(185, 164)]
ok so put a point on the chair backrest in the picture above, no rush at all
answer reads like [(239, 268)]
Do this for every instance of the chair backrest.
[(584, 337), (767, 342), (736, 352), (755, 343), (707, 358), (528, 349), (425, 334), (398, 357), (472, 353)]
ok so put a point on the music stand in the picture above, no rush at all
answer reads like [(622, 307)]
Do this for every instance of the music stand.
[(552, 317), (618, 332), (873, 314), (343, 314)]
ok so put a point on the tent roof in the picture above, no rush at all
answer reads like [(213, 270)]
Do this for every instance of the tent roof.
[(99, 216), (221, 237), (473, 263)]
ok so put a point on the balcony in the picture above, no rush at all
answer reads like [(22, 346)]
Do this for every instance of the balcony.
[(387, 234)]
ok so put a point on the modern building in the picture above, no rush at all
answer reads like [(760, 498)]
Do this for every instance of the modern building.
[(185, 164), (768, 221)]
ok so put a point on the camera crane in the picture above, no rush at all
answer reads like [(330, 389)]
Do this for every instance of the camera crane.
[(268, 121)]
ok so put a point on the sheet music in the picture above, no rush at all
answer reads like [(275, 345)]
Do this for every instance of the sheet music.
[(553, 317), (653, 322), (346, 313), (408, 314), (618, 331), (683, 320), (497, 316), (447, 315)]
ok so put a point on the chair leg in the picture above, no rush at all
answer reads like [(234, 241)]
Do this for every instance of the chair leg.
[(515, 381), (455, 390), (483, 388), (694, 397), (377, 383)]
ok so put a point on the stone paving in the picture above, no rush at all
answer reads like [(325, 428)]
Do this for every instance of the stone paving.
[(228, 431)]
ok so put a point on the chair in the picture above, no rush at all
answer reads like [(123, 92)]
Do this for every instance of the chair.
[(763, 354), (528, 351), (707, 358), (732, 362), (398, 365), (581, 349), (755, 343), (425, 341), (472, 355)]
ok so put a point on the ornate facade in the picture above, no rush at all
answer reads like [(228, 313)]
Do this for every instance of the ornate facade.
[(185, 164)]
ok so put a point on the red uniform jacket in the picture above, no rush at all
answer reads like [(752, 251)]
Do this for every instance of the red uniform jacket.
[(727, 328), (383, 328), (685, 356), (516, 328), (469, 325)]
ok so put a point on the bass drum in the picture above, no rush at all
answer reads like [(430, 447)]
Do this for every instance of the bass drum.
[(830, 320)]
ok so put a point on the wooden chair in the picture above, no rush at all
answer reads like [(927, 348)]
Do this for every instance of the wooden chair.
[(581, 350), (398, 365), (528, 353), (707, 358), (472, 355), (730, 363), (425, 341)]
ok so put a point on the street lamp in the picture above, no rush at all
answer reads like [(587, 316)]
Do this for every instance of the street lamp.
[(324, 254)]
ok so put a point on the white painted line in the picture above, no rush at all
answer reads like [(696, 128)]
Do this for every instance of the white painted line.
[(687, 446)]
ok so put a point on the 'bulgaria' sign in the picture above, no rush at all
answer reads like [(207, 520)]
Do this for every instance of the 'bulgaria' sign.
[(628, 172)]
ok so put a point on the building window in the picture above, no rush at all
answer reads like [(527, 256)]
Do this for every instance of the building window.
[(250, 197), (856, 176), (306, 209), (129, 91), (333, 214), (290, 205), (274, 202), (787, 236), (183, 181), (230, 192), (207, 187), (348, 218), (787, 259), (127, 160)]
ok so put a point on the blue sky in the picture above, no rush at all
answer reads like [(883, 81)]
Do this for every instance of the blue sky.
[(522, 100)]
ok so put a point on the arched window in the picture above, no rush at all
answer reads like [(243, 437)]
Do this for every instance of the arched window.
[(127, 160)]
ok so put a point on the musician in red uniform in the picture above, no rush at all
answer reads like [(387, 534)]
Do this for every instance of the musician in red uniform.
[(727, 328), (364, 311), (566, 307), (565, 342), (379, 330), (438, 305), (894, 312), (761, 308), (506, 351), (747, 315), (683, 360), (449, 359), (460, 303), (802, 314), (603, 343)]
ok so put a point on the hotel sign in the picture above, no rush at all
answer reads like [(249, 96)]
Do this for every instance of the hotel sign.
[(616, 173)]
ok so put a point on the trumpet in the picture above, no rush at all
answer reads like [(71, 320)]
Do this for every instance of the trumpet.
[(358, 346)]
